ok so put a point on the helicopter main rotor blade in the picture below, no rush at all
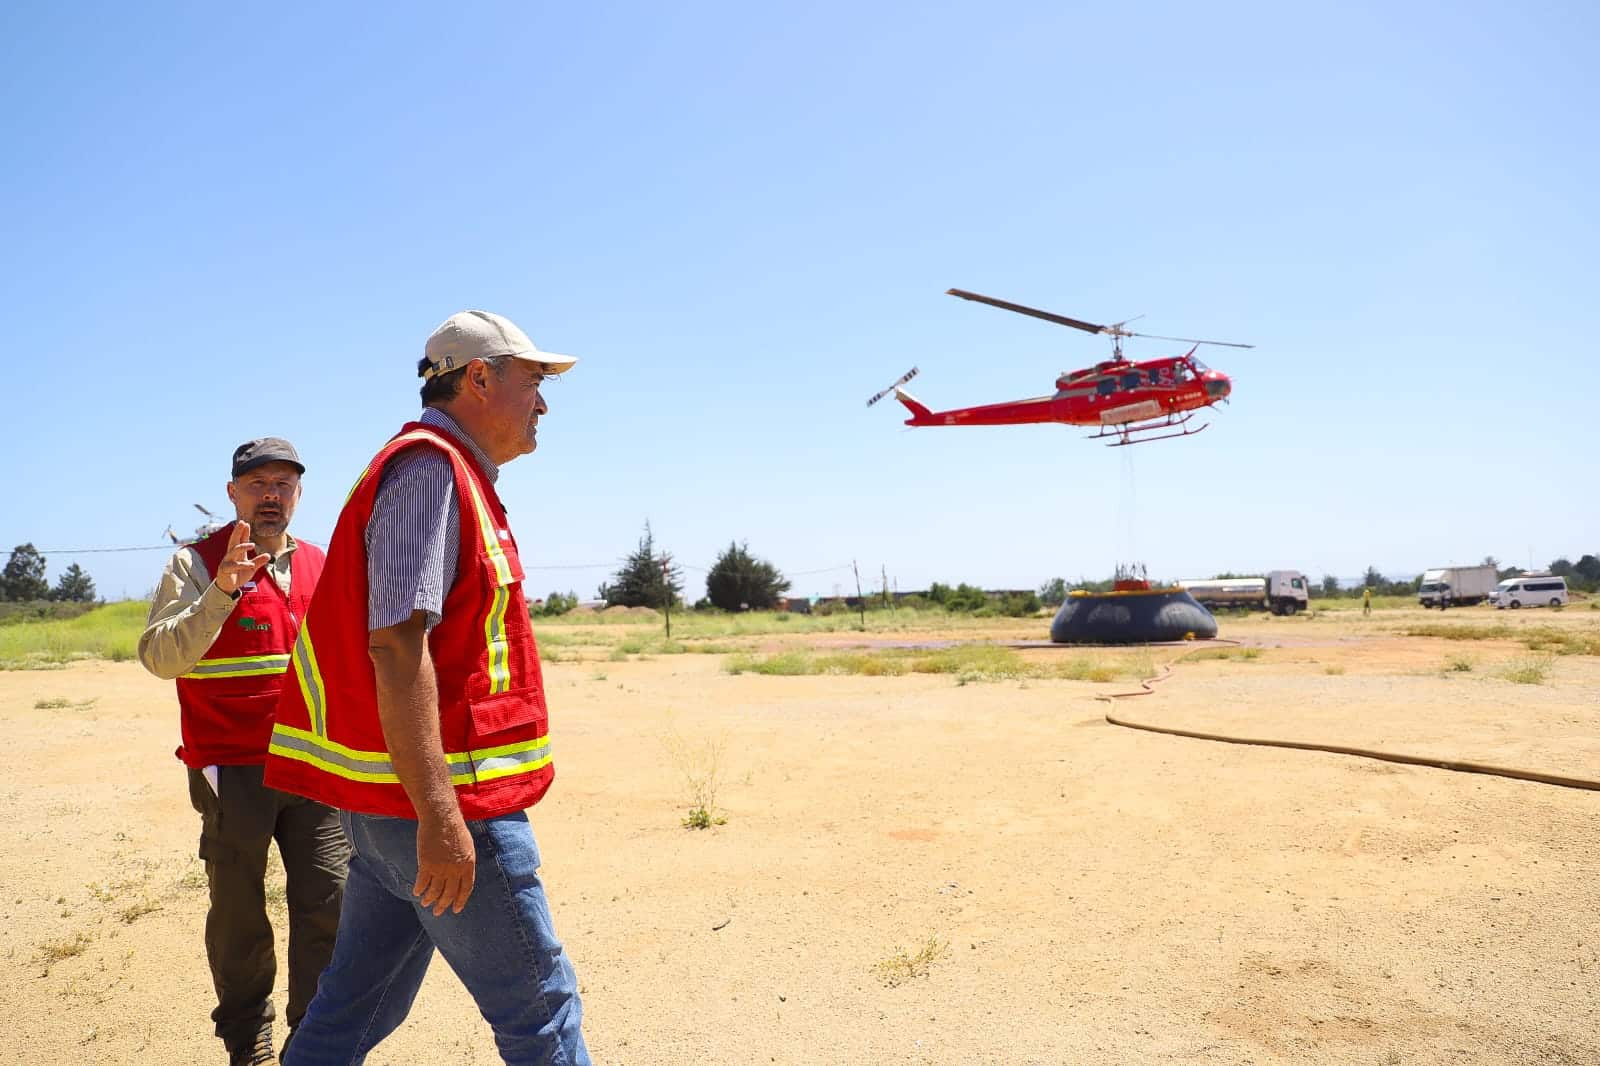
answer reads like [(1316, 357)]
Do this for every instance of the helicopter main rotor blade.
[(1187, 340), (1048, 316)]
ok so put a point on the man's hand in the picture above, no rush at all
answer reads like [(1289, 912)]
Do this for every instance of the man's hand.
[(446, 863), (408, 709), (238, 563)]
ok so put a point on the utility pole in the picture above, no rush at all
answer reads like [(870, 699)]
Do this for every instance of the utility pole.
[(861, 601), (666, 590)]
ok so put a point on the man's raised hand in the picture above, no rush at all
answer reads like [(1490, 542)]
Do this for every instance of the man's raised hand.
[(239, 563)]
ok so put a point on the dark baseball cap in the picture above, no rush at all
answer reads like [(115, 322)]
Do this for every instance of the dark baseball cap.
[(253, 453)]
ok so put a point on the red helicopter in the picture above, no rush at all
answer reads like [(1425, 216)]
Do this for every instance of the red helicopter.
[(1126, 400)]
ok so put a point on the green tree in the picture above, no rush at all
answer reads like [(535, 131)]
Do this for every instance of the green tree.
[(23, 577), (645, 580), (1053, 593), (738, 581), (1330, 585), (1020, 604), (74, 586), (557, 604), (1588, 568), (966, 597)]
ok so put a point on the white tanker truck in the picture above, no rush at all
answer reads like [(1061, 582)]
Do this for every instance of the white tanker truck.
[(1281, 592)]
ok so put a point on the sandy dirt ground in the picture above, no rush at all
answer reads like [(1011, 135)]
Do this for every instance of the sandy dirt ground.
[(1064, 890)]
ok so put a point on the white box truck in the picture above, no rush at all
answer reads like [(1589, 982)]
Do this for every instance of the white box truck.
[(1463, 585), (1281, 591)]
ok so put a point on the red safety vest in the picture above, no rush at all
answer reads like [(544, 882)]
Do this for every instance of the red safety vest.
[(328, 742), (229, 696)]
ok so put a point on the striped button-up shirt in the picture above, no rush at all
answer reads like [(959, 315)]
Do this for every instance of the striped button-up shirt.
[(414, 534)]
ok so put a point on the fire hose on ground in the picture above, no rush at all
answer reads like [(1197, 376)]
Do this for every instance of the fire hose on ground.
[(1146, 688)]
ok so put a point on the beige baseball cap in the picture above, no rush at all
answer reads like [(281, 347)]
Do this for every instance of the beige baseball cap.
[(469, 335)]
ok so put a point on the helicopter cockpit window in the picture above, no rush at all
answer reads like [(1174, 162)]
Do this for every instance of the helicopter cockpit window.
[(1199, 367), (1181, 373), (1130, 380), (1106, 387)]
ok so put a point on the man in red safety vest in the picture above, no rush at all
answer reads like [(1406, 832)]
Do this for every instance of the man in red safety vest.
[(224, 619), (416, 706)]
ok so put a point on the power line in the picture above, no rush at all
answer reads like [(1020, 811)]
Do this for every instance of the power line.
[(560, 566), (92, 551)]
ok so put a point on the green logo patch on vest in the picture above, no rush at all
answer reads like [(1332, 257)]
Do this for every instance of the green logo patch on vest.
[(252, 624)]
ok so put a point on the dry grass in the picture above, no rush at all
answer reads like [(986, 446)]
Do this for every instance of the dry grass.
[(134, 911), (1246, 654), (968, 662), (1535, 638), (701, 764), (902, 967), (54, 951), (1529, 670)]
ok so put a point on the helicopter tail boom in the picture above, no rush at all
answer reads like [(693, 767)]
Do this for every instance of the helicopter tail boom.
[(916, 407)]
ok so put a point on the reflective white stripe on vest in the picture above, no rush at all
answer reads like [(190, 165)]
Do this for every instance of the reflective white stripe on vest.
[(238, 666), (376, 766)]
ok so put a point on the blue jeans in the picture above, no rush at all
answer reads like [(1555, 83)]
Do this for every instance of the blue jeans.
[(502, 945)]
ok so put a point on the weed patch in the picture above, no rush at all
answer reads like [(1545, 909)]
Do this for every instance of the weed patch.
[(969, 663), (58, 703), (701, 764), (1558, 641), (901, 967), (54, 951), (1529, 670), (134, 911)]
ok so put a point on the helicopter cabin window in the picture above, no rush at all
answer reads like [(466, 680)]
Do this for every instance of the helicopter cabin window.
[(1181, 373), (1106, 387), (1130, 380)]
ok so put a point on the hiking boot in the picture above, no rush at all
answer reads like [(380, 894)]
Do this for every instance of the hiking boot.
[(259, 1053)]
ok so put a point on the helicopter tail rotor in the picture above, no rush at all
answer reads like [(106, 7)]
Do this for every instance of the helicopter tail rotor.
[(901, 380)]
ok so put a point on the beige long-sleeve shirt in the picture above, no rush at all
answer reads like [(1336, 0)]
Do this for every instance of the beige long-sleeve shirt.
[(188, 611)]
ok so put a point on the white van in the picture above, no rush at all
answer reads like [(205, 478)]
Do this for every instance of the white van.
[(1515, 592)]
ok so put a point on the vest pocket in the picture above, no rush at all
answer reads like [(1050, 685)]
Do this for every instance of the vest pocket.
[(508, 711)]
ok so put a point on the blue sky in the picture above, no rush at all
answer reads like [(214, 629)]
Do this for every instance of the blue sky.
[(225, 221)]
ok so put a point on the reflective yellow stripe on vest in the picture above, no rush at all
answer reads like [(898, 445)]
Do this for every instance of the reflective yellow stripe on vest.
[(238, 666), (494, 627), (466, 767), (312, 688)]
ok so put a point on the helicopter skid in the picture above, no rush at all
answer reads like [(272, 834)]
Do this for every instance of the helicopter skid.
[(1136, 432)]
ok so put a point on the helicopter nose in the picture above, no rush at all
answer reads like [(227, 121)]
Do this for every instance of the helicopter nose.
[(1218, 386)]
